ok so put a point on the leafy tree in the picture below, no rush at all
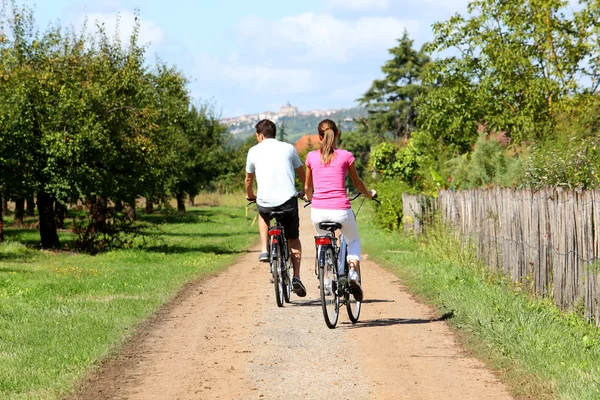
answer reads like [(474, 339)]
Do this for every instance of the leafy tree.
[(517, 65), (390, 101), (203, 153)]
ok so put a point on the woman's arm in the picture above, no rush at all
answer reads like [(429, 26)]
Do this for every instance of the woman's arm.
[(308, 184), (358, 183)]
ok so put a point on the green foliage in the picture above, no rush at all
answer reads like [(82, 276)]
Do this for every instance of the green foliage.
[(390, 101), (576, 166), (83, 115), (490, 163), (388, 214), (519, 62)]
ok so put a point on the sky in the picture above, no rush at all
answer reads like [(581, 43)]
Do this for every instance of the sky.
[(246, 57)]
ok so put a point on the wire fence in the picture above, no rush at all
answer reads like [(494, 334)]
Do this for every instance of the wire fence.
[(548, 238)]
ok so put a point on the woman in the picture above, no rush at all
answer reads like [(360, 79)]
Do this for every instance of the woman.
[(326, 170)]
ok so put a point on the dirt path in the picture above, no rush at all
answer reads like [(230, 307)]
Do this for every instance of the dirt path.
[(225, 338)]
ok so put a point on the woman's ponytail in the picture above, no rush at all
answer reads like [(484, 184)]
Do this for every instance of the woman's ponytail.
[(328, 133)]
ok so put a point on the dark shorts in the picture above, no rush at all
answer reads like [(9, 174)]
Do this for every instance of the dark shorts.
[(290, 221)]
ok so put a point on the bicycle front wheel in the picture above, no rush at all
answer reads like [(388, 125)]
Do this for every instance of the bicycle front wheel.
[(276, 261), (330, 301), (352, 306), (287, 281)]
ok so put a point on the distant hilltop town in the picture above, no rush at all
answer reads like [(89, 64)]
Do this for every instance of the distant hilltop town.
[(240, 124)]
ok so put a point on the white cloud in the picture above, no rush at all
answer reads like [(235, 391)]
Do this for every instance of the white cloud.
[(358, 4), (149, 33), (323, 36), (257, 78)]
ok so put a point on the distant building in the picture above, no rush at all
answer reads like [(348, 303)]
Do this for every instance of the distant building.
[(306, 142), (288, 110)]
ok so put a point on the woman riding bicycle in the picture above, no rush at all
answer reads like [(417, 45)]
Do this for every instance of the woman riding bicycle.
[(326, 170)]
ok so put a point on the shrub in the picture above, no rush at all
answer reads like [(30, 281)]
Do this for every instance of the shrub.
[(388, 214)]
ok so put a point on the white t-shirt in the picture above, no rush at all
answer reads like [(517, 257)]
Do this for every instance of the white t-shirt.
[(273, 162)]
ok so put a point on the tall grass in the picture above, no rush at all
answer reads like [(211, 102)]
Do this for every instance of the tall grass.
[(538, 350)]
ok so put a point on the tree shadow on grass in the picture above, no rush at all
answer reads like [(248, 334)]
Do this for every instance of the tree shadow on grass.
[(189, 217), (194, 249), (204, 235)]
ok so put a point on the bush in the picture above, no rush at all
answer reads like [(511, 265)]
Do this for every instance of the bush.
[(490, 163), (388, 214)]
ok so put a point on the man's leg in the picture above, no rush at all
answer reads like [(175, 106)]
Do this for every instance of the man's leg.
[(263, 228), (296, 255)]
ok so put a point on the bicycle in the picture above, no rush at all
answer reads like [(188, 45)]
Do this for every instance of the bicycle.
[(331, 268), (279, 259)]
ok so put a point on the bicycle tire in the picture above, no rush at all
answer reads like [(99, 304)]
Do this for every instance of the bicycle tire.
[(276, 270), (352, 306), (330, 302), (287, 282)]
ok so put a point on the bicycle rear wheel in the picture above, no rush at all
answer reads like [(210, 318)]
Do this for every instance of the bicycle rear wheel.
[(330, 302), (352, 306), (276, 261)]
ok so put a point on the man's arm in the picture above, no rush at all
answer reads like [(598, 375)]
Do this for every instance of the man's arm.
[(249, 189)]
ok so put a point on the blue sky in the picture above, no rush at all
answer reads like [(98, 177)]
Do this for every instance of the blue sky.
[(253, 56)]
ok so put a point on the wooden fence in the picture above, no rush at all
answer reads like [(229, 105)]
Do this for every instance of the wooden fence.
[(547, 238)]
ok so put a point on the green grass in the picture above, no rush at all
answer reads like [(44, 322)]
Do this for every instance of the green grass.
[(61, 312), (539, 351)]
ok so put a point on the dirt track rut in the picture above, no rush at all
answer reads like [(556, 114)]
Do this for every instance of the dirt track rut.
[(225, 338)]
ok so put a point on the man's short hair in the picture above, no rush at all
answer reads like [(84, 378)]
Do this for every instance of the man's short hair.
[(267, 128)]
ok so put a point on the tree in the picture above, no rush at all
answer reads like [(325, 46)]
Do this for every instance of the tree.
[(390, 101), (202, 154), (519, 64)]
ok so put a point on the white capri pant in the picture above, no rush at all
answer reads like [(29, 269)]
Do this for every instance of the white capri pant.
[(349, 228)]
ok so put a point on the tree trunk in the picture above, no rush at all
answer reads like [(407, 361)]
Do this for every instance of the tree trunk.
[(30, 207), (149, 207), (48, 233), (180, 202), (19, 213), (4, 206), (1, 221), (97, 209), (192, 201), (118, 206), (131, 210), (61, 211)]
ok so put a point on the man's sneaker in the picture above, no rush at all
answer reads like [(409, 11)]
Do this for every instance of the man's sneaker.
[(354, 283), (298, 287), (263, 257)]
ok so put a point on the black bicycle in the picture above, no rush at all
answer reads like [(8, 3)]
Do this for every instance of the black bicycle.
[(279, 259), (331, 268)]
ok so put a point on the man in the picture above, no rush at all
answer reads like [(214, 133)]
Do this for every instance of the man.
[(273, 164)]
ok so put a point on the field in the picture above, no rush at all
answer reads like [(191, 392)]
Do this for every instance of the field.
[(60, 312)]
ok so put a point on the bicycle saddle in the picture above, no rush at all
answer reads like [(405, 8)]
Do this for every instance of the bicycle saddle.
[(330, 226), (276, 214)]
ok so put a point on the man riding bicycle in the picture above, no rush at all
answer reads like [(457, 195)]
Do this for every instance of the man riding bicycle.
[(273, 164)]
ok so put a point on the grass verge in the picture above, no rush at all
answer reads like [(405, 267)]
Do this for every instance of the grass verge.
[(62, 312), (538, 351)]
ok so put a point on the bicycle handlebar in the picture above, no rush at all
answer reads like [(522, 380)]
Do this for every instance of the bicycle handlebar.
[(356, 196)]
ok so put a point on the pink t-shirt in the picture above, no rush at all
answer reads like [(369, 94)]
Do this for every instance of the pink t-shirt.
[(328, 180)]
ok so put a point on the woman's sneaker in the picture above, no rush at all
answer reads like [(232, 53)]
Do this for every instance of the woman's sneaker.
[(354, 283)]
